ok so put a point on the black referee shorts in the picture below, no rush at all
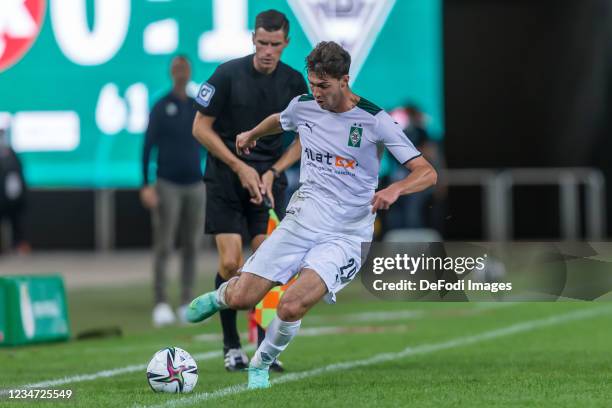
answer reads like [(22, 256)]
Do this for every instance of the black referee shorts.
[(228, 206)]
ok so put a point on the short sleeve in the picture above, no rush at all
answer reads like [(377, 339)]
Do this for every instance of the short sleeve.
[(394, 139), (288, 119), (213, 94)]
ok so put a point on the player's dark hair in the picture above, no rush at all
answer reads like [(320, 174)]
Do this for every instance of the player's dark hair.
[(272, 20), (328, 59)]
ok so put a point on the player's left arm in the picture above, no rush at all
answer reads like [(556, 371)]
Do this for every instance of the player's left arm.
[(422, 175)]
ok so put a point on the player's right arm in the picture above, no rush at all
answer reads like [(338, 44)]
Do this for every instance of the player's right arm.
[(245, 141), (273, 124), (205, 134)]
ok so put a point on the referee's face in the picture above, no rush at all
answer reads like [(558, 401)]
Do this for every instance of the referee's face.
[(269, 46)]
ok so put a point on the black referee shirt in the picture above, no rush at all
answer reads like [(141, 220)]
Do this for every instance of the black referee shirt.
[(240, 97)]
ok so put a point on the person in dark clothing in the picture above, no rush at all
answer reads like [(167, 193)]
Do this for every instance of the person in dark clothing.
[(177, 197), (412, 211), (239, 95), (13, 192)]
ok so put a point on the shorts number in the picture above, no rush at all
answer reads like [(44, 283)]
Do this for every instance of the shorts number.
[(348, 271)]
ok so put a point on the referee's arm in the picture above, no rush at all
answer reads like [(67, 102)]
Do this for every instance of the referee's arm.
[(290, 156), (205, 134)]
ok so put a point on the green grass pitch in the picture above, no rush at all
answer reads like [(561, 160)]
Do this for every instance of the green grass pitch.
[(348, 355)]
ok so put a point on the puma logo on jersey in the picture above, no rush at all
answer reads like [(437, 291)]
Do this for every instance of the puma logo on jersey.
[(309, 125)]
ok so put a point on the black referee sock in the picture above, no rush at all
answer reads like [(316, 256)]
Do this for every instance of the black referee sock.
[(231, 339)]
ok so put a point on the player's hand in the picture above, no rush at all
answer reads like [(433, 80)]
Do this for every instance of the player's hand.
[(148, 197), (249, 178), (268, 180), (244, 144), (384, 198)]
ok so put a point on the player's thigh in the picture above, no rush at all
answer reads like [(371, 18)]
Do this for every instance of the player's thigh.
[(336, 259), (229, 247), (280, 255), (246, 291), (302, 295)]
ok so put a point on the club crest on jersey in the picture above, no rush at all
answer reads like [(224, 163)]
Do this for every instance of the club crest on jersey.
[(355, 136)]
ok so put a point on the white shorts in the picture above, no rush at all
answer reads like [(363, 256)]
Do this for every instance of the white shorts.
[(296, 244)]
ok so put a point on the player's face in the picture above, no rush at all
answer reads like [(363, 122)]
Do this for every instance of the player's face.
[(269, 46), (327, 91), (180, 71)]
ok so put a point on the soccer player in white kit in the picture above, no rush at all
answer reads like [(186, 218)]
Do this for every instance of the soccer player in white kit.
[(333, 211)]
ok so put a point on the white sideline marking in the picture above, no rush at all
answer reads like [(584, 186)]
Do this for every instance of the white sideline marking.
[(408, 351), (106, 373), (350, 317)]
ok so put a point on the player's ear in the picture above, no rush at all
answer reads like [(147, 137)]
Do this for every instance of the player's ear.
[(345, 80), (253, 37)]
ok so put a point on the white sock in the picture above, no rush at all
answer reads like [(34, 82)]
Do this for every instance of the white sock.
[(221, 293), (278, 336)]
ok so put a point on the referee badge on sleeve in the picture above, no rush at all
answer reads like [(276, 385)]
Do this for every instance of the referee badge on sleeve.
[(205, 94)]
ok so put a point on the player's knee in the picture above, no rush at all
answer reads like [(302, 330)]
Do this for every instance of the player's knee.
[(229, 268), (291, 311), (238, 300)]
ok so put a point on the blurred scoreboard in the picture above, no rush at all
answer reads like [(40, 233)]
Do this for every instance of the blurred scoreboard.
[(77, 77)]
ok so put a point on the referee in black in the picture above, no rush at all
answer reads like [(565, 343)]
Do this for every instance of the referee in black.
[(240, 94)]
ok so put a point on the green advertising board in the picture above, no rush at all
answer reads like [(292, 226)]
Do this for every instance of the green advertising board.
[(33, 309), (77, 77)]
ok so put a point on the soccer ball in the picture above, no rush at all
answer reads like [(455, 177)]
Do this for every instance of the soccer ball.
[(172, 370)]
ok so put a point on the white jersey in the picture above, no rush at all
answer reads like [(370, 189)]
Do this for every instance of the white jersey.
[(340, 162)]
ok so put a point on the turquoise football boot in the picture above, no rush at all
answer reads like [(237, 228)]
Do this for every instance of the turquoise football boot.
[(258, 378), (202, 307)]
